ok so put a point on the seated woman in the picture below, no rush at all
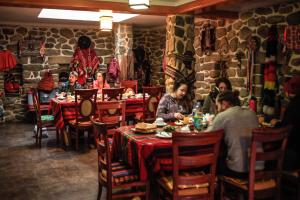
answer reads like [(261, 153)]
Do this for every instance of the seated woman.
[(71, 84), (100, 82), (174, 106), (209, 105)]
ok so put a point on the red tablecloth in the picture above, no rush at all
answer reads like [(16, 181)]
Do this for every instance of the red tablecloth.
[(138, 149), (65, 110)]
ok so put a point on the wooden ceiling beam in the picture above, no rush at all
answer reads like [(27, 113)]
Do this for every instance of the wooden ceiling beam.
[(198, 4), (217, 14), (88, 5)]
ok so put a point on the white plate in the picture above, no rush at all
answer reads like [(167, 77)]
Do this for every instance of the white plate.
[(162, 124), (163, 135), (61, 98)]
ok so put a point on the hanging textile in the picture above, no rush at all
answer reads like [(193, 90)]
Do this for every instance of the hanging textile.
[(7, 60), (270, 76), (208, 38), (130, 64), (252, 47), (292, 37), (114, 70), (85, 62)]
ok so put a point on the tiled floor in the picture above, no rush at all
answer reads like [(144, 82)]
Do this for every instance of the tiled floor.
[(29, 173)]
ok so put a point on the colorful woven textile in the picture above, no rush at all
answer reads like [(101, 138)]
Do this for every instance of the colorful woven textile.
[(292, 37), (121, 174), (47, 117), (138, 150)]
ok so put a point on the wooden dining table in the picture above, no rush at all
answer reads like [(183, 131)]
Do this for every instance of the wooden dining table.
[(64, 110)]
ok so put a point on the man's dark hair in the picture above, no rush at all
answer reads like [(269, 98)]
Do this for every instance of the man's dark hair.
[(231, 97)]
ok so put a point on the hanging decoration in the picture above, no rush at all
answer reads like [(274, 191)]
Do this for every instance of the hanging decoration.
[(208, 39), (85, 61), (270, 76), (253, 45)]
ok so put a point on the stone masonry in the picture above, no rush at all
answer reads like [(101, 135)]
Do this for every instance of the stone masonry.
[(153, 40), (60, 44), (232, 36)]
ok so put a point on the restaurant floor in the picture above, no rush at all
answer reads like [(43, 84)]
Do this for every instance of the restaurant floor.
[(30, 173)]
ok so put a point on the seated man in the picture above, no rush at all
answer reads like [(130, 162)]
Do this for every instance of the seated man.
[(237, 124), (70, 85)]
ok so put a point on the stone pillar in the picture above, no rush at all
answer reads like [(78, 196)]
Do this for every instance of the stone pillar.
[(123, 50), (180, 51)]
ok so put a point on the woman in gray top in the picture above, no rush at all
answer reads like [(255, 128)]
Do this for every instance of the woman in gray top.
[(173, 106), (222, 85)]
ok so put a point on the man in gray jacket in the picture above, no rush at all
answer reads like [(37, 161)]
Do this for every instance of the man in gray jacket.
[(237, 123)]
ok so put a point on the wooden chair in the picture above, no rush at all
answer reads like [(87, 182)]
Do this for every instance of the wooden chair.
[(189, 181), (42, 120), (113, 94), (291, 184), (85, 109), (112, 113), (262, 183), (115, 175), (150, 103), (130, 84)]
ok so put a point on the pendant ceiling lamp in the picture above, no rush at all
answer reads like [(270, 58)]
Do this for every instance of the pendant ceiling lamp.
[(139, 4), (106, 23)]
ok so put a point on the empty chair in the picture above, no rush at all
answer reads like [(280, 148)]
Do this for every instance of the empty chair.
[(262, 183), (150, 103), (84, 110), (194, 170), (42, 121), (112, 94), (114, 174), (130, 85)]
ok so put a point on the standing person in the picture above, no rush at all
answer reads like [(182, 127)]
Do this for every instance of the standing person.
[(174, 106), (291, 117), (237, 124), (222, 85), (100, 82), (71, 84)]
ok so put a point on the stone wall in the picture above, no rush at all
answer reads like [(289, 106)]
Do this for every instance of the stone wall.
[(60, 44), (232, 36), (153, 40)]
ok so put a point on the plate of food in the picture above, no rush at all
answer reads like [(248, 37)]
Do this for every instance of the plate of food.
[(145, 128), (163, 134), (169, 128), (179, 123)]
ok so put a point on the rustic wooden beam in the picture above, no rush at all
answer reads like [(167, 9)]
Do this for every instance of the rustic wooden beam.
[(198, 4), (88, 5), (217, 14)]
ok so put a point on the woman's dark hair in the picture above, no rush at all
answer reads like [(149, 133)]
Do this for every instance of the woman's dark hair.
[(231, 97), (178, 83), (223, 80), (103, 75)]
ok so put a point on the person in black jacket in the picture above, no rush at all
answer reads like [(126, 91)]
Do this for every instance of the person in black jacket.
[(292, 117)]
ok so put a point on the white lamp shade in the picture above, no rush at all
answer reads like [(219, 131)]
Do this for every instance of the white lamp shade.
[(139, 4), (106, 23)]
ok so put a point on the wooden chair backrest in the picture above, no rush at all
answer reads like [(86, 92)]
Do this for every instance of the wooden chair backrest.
[(133, 84), (112, 113), (113, 94), (36, 104), (275, 140), (104, 154), (205, 157), (85, 107), (151, 102)]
